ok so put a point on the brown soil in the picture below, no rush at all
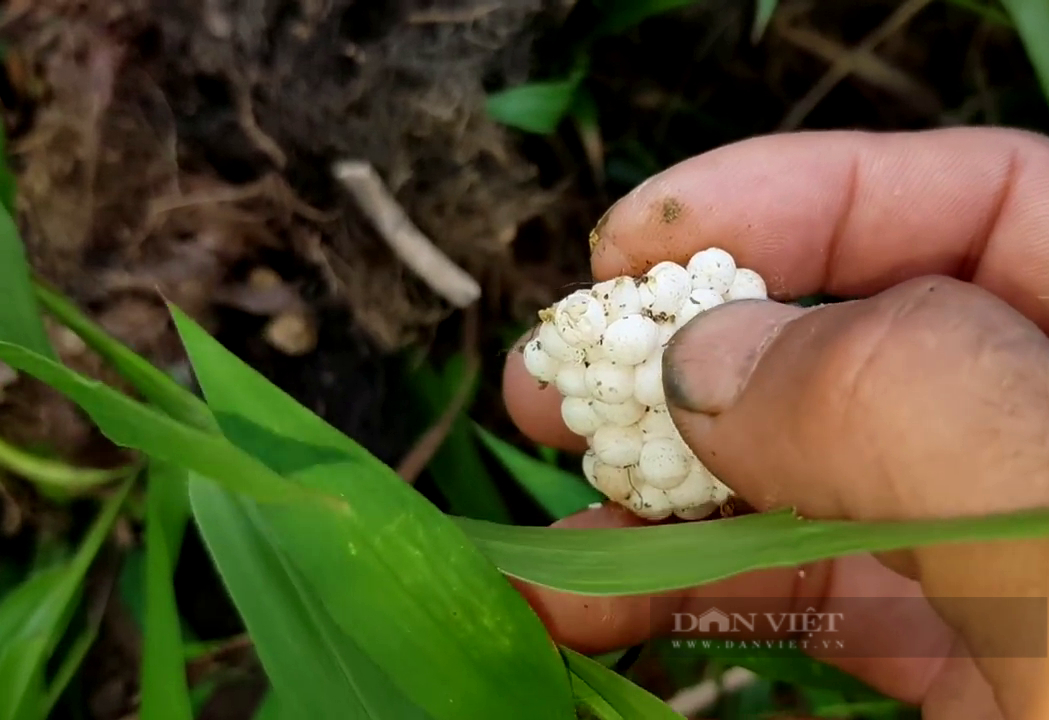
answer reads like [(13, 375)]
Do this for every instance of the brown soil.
[(186, 148)]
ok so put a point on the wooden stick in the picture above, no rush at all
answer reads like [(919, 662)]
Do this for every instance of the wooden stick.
[(404, 238)]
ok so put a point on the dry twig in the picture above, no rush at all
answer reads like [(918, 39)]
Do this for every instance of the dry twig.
[(407, 241), (847, 62), (867, 66)]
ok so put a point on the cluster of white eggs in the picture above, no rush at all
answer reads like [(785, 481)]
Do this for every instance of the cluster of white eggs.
[(603, 350)]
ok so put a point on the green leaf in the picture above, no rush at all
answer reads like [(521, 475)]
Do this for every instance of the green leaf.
[(621, 15), (164, 691), (24, 650), (590, 704), (535, 107), (1031, 18), (558, 492), (610, 658), (752, 702), (988, 11), (270, 708), (21, 678), (34, 617), (823, 703), (658, 558), (548, 454), (20, 320), (456, 467), (57, 477), (313, 664), (157, 387), (763, 14), (133, 425), (629, 700), (395, 574), (74, 657)]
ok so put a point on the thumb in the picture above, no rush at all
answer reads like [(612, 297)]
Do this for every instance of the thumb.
[(928, 400)]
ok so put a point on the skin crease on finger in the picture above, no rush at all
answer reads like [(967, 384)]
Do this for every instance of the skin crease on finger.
[(852, 403), (876, 210)]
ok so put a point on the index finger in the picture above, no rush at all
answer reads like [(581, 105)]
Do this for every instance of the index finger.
[(845, 213), (851, 213)]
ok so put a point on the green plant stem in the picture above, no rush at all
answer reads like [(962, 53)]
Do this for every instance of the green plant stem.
[(58, 475), (68, 669)]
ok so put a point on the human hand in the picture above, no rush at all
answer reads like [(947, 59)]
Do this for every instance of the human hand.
[(929, 397)]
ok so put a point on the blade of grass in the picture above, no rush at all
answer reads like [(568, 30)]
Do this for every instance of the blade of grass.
[(597, 708), (20, 320), (21, 680), (652, 559), (57, 476), (157, 387), (71, 663), (628, 699), (762, 15), (270, 708), (557, 491), (755, 700), (536, 107), (456, 467), (986, 10), (34, 617), (22, 651), (177, 443), (133, 425), (164, 691), (1031, 19), (395, 573), (313, 664)]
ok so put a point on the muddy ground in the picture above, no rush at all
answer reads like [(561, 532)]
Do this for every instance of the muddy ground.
[(187, 147)]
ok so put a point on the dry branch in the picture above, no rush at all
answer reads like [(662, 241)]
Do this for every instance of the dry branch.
[(404, 238)]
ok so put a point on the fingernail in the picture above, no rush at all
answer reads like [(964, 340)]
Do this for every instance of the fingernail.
[(708, 362)]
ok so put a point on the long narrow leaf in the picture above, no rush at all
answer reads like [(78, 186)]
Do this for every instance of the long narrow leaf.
[(35, 616), (312, 664), (21, 679), (1031, 19), (456, 467), (20, 320), (69, 666), (762, 15), (558, 492), (164, 691), (394, 572), (57, 476), (631, 701), (131, 424), (658, 558), (154, 385), (596, 706), (536, 107)]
